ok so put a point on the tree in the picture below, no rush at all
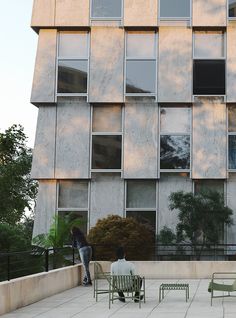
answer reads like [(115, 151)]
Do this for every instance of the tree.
[(166, 236), (114, 231), (17, 189), (202, 216)]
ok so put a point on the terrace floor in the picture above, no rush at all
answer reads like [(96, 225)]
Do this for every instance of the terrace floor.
[(79, 302)]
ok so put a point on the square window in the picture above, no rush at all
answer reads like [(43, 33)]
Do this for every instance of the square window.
[(73, 194), (175, 152), (209, 44), (169, 124), (77, 215), (145, 217), (232, 8), (174, 9), (232, 151), (141, 45), (73, 45), (72, 76), (107, 118), (208, 77), (141, 194), (140, 76), (106, 9), (106, 152)]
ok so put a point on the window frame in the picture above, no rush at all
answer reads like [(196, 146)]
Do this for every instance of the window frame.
[(229, 133), (74, 58), (133, 58), (142, 209), (176, 134), (175, 18), (194, 57), (106, 133), (73, 209), (121, 18)]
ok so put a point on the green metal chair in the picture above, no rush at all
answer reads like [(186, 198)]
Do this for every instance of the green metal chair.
[(129, 285), (229, 288), (99, 274)]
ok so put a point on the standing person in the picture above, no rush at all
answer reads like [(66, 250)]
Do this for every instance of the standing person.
[(123, 267), (85, 252)]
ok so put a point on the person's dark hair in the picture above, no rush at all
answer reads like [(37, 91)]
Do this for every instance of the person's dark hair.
[(79, 235), (120, 253)]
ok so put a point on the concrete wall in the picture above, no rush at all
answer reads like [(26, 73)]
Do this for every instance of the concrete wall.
[(231, 64), (44, 80), (106, 65), (182, 269), (140, 140), (42, 17), (20, 292), (73, 136), (72, 13), (175, 64), (231, 202), (209, 13), (167, 185), (107, 196), (140, 13), (46, 205), (209, 146), (44, 147)]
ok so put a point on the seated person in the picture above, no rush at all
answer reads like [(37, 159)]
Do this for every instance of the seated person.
[(123, 267)]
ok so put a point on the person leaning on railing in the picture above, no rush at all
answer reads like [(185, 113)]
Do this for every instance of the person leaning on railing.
[(85, 252)]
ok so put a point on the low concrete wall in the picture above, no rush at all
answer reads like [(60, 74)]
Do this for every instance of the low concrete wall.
[(26, 290), (183, 269)]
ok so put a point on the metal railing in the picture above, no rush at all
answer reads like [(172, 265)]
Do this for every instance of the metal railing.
[(22, 263)]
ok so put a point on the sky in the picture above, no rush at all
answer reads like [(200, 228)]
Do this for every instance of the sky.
[(18, 45)]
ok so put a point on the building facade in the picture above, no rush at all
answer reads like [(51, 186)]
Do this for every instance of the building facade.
[(136, 99)]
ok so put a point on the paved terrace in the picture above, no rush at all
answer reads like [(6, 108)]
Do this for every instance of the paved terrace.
[(79, 302)]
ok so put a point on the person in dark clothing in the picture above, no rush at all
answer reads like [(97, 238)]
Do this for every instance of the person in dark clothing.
[(85, 252)]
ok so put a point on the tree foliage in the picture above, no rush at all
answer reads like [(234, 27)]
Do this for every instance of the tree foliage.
[(17, 190), (114, 231), (166, 236), (202, 216)]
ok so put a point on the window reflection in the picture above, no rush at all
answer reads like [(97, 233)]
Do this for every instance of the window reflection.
[(141, 194), (141, 45), (232, 152), (232, 8), (174, 8), (106, 8), (175, 152)]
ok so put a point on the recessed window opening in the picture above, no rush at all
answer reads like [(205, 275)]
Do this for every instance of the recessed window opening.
[(175, 139), (106, 138), (209, 63), (72, 73), (141, 63), (232, 137)]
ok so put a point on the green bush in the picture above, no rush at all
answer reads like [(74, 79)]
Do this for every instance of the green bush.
[(113, 231)]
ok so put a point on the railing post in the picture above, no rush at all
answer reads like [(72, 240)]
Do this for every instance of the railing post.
[(46, 260), (8, 266)]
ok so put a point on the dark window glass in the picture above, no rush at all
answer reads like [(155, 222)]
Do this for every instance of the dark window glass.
[(232, 8), (80, 215), (145, 217), (175, 152), (106, 152), (140, 76), (72, 76), (204, 185), (209, 77), (106, 8), (73, 194), (232, 152), (141, 194), (174, 8)]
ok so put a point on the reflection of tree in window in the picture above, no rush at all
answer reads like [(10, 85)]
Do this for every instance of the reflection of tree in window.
[(175, 152)]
